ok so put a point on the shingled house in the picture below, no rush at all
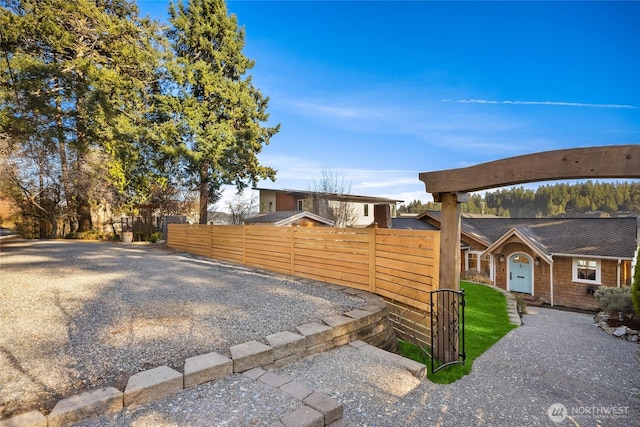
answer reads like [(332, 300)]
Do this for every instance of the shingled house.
[(558, 261)]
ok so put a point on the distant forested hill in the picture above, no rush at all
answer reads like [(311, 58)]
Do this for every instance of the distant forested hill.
[(550, 200)]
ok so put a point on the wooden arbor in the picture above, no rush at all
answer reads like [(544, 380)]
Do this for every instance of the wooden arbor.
[(451, 187)]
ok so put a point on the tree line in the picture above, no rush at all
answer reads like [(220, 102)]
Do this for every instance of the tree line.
[(101, 109), (547, 201)]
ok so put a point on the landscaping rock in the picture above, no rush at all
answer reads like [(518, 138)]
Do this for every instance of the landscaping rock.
[(621, 331)]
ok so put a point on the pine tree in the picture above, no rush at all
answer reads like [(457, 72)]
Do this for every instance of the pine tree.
[(217, 110)]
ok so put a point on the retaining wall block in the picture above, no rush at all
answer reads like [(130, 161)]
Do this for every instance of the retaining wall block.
[(205, 368), (28, 419), (250, 355), (86, 405), (316, 334), (341, 325), (286, 343), (151, 385)]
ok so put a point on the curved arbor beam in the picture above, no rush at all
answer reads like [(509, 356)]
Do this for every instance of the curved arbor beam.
[(450, 186), (616, 161)]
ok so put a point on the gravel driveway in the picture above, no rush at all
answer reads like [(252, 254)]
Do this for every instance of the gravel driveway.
[(77, 315)]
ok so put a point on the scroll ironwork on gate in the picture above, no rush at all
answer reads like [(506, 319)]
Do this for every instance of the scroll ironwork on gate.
[(447, 328)]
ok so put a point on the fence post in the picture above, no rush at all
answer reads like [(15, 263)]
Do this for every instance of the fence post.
[(244, 244), (292, 250), (373, 234)]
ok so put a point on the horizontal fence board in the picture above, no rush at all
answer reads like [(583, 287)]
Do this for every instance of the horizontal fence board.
[(401, 250), (332, 256), (255, 247), (421, 295), (424, 282), (416, 273), (273, 256), (226, 256), (403, 299), (338, 247), (331, 263), (273, 265), (406, 258), (334, 281), (330, 275), (325, 234)]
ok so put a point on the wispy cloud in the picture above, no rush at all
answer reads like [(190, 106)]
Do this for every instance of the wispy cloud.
[(333, 110), (550, 103)]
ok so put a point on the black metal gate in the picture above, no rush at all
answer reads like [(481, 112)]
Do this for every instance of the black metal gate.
[(447, 328)]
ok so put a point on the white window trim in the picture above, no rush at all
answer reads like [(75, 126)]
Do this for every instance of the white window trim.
[(468, 267), (478, 265), (300, 204), (575, 278)]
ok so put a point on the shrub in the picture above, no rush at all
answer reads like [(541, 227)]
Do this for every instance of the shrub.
[(615, 300), (476, 276), (521, 304), (155, 237), (84, 235), (89, 235)]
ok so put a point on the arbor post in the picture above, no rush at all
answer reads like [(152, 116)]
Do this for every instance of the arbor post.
[(450, 239), (449, 275)]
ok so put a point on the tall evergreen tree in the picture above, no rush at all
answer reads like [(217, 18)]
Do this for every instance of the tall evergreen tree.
[(73, 81), (218, 113)]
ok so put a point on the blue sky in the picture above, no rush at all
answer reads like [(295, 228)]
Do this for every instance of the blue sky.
[(378, 92)]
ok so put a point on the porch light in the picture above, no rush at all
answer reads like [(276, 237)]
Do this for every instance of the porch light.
[(501, 258), (537, 260)]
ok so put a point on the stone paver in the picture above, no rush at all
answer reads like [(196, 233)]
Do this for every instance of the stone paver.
[(330, 408), (303, 417)]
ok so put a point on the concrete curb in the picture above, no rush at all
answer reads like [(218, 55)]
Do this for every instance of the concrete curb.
[(366, 326)]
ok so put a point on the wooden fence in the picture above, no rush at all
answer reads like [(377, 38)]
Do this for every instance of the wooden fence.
[(401, 265)]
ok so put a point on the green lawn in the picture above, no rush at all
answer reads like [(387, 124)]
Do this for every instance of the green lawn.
[(486, 321)]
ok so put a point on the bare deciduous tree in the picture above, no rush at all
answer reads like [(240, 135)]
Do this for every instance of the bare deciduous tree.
[(242, 208), (331, 184)]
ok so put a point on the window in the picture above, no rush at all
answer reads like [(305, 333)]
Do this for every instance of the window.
[(270, 206), (586, 270), (300, 205), (474, 261), (366, 210)]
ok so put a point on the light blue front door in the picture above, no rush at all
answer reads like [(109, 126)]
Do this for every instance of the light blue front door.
[(520, 274)]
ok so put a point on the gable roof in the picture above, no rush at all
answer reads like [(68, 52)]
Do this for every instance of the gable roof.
[(282, 218), (604, 237), (528, 237), (597, 237), (411, 224)]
